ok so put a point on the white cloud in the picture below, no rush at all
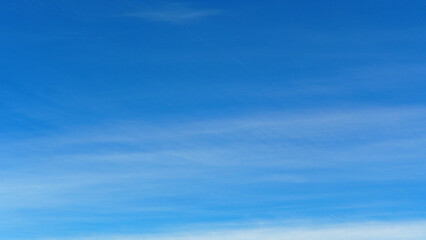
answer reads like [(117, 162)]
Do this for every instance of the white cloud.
[(352, 231), (342, 146), (177, 14)]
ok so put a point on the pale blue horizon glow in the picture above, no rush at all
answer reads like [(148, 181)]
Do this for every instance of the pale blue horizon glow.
[(128, 120)]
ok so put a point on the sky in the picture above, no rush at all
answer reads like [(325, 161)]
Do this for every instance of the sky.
[(184, 120)]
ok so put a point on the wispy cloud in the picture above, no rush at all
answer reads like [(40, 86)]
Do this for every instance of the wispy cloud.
[(348, 143), (175, 14), (217, 164), (353, 231)]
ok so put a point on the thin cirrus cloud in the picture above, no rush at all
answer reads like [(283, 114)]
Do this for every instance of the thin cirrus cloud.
[(348, 231), (175, 15), (141, 168), (230, 148)]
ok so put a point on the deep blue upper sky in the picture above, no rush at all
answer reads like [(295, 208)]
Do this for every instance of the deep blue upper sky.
[(139, 117)]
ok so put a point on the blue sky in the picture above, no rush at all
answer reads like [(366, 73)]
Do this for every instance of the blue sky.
[(161, 120)]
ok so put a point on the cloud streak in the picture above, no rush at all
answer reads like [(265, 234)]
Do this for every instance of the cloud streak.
[(251, 149), (175, 15), (353, 231), (275, 164)]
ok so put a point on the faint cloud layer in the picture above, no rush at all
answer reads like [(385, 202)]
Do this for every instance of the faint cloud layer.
[(223, 168), (267, 149), (176, 15), (359, 231)]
